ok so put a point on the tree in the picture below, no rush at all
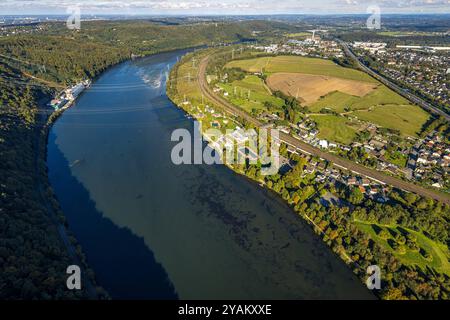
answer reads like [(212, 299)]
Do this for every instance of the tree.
[(393, 294), (356, 196)]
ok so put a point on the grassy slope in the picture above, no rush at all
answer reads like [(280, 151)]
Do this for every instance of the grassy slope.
[(339, 100), (403, 116), (300, 65), (334, 128), (438, 251), (406, 118), (258, 94)]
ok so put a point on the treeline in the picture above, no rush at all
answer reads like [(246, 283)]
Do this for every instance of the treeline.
[(335, 223), (439, 124)]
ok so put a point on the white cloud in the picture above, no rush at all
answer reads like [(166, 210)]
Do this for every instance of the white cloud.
[(222, 6)]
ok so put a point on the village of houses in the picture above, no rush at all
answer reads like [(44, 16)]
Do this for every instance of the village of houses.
[(324, 172), (420, 67)]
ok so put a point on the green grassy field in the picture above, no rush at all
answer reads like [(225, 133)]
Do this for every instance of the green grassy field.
[(334, 128), (300, 35), (397, 158), (382, 107), (338, 101), (258, 94), (408, 119), (410, 257), (404, 34), (296, 64)]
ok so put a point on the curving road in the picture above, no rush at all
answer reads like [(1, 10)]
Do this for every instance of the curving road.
[(344, 163)]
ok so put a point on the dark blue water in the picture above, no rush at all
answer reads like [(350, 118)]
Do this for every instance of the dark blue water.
[(151, 229)]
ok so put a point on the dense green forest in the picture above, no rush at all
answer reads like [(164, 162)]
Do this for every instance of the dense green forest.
[(33, 259), (354, 227)]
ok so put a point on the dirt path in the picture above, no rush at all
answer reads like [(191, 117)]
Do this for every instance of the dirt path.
[(48, 83)]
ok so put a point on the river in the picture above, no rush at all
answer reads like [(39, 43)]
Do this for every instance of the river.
[(154, 230)]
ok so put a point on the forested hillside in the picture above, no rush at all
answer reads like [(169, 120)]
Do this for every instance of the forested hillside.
[(32, 258)]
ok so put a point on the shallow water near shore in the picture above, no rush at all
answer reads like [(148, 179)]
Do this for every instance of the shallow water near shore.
[(154, 230)]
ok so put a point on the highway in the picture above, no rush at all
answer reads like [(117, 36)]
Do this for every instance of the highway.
[(411, 97), (305, 147)]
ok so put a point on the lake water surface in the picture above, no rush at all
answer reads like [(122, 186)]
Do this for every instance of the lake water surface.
[(154, 230)]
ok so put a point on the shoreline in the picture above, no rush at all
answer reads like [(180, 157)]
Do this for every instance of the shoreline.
[(343, 256), (54, 211)]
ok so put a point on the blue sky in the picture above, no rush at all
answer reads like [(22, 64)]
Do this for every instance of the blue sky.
[(222, 6)]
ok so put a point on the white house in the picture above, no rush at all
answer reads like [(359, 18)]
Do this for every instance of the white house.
[(323, 144)]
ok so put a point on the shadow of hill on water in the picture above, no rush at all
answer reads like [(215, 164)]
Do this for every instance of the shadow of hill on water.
[(122, 262)]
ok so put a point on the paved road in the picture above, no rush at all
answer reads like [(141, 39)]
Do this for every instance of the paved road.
[(411, 97), (347, 164)]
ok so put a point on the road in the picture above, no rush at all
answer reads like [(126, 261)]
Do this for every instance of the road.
[(344, 163), (411, 97)]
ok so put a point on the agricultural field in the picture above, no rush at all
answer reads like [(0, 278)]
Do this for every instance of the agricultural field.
[(309, 88), (301, 35), (342, 102), (335, 128), (295, 64), (408, 119), (437, 254), (250, 93), (337, 101), (321, 84)]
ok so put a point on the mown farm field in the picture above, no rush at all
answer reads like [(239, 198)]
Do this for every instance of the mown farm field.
[(310, 88), (323, 86), (295, 64)]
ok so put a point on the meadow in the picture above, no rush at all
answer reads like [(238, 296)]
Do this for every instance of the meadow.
[(376, 104), (439, 252), (408, 119), (310, 88), (339, 101), (295, 64), (335, 128), (250, 93)]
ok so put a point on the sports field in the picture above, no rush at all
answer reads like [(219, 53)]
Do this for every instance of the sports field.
[(309, 88)]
